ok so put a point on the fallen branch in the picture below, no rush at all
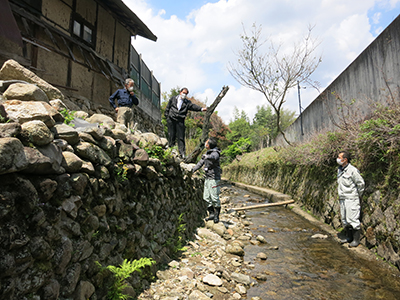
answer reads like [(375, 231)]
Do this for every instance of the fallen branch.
[(206, 127)]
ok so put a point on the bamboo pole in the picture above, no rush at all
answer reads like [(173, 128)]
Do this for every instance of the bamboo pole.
[(264, 205)]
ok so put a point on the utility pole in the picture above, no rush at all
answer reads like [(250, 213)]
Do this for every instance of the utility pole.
[(300, 115)]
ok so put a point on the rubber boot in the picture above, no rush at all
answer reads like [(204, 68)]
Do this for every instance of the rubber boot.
[(348, 235), (216, 216), (211, 213), (356, 238)]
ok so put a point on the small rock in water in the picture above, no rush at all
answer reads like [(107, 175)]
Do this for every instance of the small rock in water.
[(213, 280), (240, 289), (256, 298), (261, 277), (273, 248), (235, 249), (262, 256), (241, 278), (319, 236), (246, 196), (270, 230), (261, 239)]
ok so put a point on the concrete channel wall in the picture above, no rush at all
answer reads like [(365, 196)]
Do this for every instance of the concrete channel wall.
[(373, 77)]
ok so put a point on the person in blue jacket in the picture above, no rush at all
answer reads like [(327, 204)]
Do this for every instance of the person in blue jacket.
[(212, 171), (125, 100)]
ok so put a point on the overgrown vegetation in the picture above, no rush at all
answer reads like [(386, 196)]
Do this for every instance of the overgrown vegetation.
[(121, 172), (373, 143), (178, 240), (68, 116), (122, 273), (158, 152)]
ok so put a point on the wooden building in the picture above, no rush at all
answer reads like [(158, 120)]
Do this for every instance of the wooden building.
[(83, 47)]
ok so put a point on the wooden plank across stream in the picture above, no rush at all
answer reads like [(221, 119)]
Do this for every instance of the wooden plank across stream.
[(264, 205)]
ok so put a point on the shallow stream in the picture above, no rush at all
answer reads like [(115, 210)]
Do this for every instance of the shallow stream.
[(308, 268)]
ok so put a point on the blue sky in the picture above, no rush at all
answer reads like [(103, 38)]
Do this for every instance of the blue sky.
[(197, 40)]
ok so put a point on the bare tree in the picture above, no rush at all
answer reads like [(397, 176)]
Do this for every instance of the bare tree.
[(274, 71)]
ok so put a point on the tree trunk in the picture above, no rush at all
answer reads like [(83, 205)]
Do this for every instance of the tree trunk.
[(206, 127)]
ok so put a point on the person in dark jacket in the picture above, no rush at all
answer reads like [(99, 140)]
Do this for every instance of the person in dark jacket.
[(175, 113), (212, 171), (125, 100)]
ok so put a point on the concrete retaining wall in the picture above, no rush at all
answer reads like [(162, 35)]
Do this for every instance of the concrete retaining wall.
[(371, 78)]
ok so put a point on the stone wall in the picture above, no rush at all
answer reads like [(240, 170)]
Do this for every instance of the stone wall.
[(316, 190), (74, 196)]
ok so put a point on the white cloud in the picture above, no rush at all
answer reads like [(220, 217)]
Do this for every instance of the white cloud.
[(194, 51)]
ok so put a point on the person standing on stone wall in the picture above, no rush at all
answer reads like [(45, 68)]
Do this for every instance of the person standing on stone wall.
[(175, 113), (125, 100), (350, 188), (212, 171)]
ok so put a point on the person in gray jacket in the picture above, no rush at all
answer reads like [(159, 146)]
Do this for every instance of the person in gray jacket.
[(350, 188), (212, 171)]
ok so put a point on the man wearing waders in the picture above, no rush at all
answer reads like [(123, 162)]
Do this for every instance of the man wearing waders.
[(350, 188), (212, 171)]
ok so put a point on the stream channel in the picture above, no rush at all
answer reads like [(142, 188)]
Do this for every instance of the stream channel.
[(305, 267)]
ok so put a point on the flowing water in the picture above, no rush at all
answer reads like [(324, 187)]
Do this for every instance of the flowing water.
[(307, 268)]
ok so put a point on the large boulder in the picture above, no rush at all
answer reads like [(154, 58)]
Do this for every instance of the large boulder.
[(102, 120), (13, 70), (37, 133), (150, 139), (65, 132), (44, 160), (9, 129), (141, 157), (25, 111), (12, 155), (71, 162), (92, 153), (25, 92)]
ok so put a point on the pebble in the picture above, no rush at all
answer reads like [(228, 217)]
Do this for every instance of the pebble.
[(173, 264), (236, 296), (273, 248), (212, 280), (240, 289), (262, 256), (319, 236), (261, 239), (261, 277)]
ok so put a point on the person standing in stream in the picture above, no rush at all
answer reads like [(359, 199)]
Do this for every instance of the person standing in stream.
[(212, 171), (350, 188)]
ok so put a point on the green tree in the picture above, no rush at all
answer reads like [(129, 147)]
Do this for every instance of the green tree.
[(239, 126)]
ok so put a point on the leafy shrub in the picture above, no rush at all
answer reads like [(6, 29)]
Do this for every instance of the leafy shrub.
[(68, 116), (123, 272)]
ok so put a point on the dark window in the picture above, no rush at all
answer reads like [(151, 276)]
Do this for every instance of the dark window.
[(82, 29)]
